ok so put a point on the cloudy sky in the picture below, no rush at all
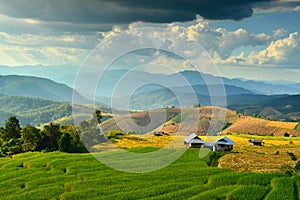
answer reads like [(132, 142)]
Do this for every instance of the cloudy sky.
[(252, 39)]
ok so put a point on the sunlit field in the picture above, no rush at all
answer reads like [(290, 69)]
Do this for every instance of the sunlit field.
[(80, 176)]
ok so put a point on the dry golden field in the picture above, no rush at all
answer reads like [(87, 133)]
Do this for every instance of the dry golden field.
[(267, 158), (257, 126), (286, 125), (244, 157)]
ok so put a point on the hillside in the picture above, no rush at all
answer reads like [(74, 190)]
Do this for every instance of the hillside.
[(139, 122), (283, 108), (257, 126), (182, 121), (33, 111), (30, 86), (80, 176), (199, 120), (36, 111)]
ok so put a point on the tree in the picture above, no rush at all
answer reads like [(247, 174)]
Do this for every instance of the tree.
[(50, 137), (11, 129), (64, 143), (286, 134), (97, 115), (197, 105), (31, 137), (89, 131)]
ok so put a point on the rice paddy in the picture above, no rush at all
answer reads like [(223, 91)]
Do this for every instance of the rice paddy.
[(59, 175)]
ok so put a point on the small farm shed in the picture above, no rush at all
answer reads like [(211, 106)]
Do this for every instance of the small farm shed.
[(193, 141), (256, 142), (223, 144)]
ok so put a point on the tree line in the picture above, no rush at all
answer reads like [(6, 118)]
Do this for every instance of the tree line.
[(16, 139)]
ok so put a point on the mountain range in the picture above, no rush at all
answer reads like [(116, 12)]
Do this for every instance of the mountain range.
[(66, 74), (278, 100)]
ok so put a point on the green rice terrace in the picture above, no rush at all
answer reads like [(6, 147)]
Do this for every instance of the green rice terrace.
[(57, 175)]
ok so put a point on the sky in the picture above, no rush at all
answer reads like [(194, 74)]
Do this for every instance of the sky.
[(251, 39)]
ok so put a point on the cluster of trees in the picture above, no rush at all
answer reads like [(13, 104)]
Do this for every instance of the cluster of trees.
[(90, 132), (16, 139)]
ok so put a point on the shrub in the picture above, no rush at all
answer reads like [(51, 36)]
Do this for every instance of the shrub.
[(297, 167), (292, 155), (114, 134), (287, 169), (286, 134)]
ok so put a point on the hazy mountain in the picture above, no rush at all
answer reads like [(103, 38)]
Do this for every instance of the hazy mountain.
[(162, 98), (36, 87), (284, 108), (124, 79), (61, 73)]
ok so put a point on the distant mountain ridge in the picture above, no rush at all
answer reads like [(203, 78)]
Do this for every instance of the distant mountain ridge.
[(36, 87), (280, 108), (66, 74)]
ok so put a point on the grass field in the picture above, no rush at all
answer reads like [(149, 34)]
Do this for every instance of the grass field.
[(80, 176)]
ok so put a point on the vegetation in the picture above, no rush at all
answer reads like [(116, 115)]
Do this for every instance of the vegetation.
[(16, 139), (297, 127), (32, 111), (59, 175), (283, 108)]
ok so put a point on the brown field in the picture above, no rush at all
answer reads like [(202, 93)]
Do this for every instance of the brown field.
[(139, 121), (285, 125), (192, 120), (267, 158), (198, 120), (257, 126)]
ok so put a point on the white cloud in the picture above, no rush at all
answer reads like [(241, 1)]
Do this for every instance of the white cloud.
[(20, 55), (225, 47), (279, 32), (282, 51)]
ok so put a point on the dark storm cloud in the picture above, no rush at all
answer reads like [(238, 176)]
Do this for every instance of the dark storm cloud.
[(127, 11)]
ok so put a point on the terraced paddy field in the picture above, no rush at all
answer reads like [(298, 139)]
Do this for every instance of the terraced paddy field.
[(80, 176)]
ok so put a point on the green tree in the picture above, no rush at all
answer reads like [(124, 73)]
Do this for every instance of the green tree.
[(196, 105), (31, 137), (286, 134), (89, 131), (11, 129), (97, 115), (64, 143), (50, 137)]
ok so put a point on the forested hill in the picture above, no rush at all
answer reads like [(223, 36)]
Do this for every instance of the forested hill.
[(33, 111)]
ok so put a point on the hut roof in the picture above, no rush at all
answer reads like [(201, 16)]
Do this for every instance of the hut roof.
[(224, 140), (193, 138)]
